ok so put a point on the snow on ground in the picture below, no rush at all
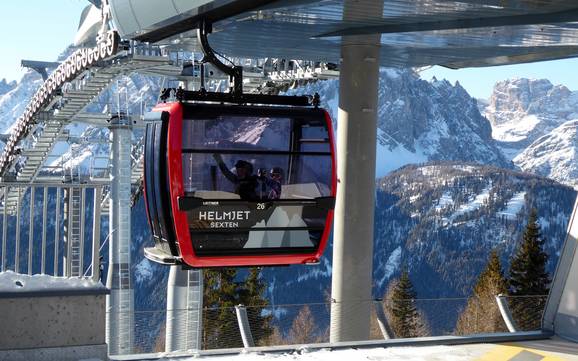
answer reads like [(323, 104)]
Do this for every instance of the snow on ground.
[(430, 353), (390, 266), (475, 204), (513, 206), (553, 155), (515, 130), (464, 168), (445, 201), (389, 159), (14, 282), (143, 271)]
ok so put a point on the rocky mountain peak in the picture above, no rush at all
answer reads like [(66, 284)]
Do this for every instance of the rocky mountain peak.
[(439, 120), (6, 86), (518, 97)]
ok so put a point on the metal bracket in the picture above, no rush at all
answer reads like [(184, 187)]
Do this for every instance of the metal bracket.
[(235, 72)]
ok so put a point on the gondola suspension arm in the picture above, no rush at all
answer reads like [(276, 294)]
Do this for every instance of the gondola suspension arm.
[(235, 73)]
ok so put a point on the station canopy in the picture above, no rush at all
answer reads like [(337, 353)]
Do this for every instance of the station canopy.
[(455, 34)]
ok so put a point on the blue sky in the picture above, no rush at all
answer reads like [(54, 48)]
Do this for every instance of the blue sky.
[(480, 81), (35, 30), (23, 36)]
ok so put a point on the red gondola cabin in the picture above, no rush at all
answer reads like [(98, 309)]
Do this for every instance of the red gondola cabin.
[(236, 185)]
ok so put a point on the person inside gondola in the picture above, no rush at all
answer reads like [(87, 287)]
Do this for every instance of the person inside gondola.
[(275, 179), (269, 185), (244, 180)]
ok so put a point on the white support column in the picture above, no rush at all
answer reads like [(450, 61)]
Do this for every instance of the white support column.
[(120, 302), (356, 142), (184, 309)]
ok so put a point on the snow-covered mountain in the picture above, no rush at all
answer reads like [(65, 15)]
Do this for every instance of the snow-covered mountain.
[(522, 110), (5, 86), (532, 122), (554, 155), (421, 120), (15, 99)]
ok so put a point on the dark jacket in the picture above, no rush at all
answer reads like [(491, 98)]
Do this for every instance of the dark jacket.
[(244, 187)]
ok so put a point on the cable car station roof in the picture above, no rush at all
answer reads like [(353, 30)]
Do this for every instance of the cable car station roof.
[(454, 34)]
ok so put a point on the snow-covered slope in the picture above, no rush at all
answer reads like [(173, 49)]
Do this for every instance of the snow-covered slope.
[(554, 155), (13, 102), (5, 86)]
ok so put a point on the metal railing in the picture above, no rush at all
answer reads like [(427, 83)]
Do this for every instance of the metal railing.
[(309, 323), (40, 238)]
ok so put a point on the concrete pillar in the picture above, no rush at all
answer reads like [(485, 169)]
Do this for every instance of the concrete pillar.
[(184, 310), (356, 142), (120, 302)]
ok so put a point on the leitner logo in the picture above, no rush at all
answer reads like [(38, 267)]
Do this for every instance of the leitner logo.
[(224, 219)]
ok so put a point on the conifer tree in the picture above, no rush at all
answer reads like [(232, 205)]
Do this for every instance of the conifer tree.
[(529, 279), (220, 329), (482, 314), (222, 292), (405, 320)]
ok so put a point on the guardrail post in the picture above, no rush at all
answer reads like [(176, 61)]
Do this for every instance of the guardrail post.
[(506, 314), (386, 331), (244, 328)]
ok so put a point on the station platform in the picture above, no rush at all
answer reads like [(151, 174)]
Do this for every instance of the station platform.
[(549, 349)]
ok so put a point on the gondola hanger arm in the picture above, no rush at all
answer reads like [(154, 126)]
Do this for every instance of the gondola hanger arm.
[(235, 72)]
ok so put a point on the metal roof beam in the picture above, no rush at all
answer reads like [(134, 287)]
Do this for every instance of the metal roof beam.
[(566, 16), (209, 12), (40, 66)]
